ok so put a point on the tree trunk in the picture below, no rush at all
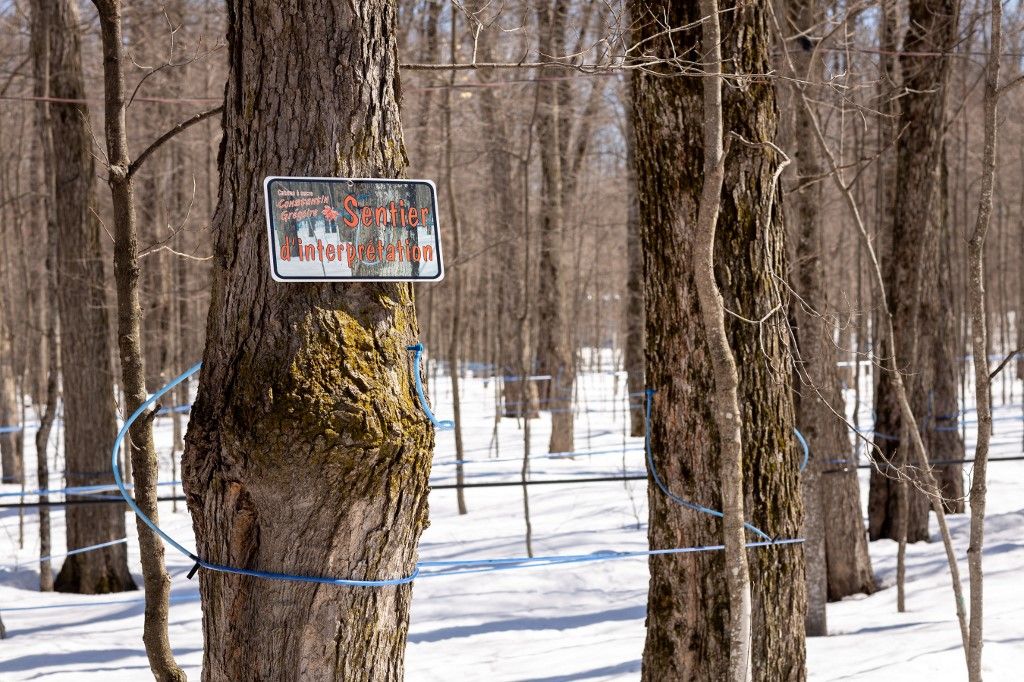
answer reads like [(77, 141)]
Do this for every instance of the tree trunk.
[(554, 350), (505, 222), (41, 71), (838, 548), (145, 465), (932, 27), (455, 278), (634, 307), (980, 349), (89, 419), (307, 452), (688, 604), (723, 363), (10, 415), (942, 435), (554, 356)]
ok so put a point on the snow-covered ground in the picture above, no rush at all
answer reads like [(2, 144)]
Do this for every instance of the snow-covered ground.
[(554, 623)]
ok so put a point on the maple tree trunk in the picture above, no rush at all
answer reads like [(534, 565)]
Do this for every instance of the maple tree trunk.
[(90, 423), (840, 563), (687, 617), (307, 452), (554, 355), (911, 262)]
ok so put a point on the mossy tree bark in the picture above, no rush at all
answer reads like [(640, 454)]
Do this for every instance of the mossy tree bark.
[(307, 452), (911, 269), (688, 611), (90, 422)]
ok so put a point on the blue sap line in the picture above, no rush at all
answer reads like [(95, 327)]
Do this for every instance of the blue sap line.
[(78, 490), (462, 568), (473, 566), (664, 488), (201, 562), (806, 448), (80, 550), (446, 425)]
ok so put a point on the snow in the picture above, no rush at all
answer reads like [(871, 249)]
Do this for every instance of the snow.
[(555, 623)]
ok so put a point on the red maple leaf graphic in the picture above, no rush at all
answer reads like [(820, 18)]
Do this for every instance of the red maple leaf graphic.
[(330, 213)]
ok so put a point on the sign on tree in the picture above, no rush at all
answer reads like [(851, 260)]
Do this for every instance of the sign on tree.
[(352, 230)]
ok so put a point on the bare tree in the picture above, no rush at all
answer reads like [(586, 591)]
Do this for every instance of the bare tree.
[(41, 37), (838, 561), (10, 415), (634, 345), (85, 357), (554, 355), (979, 346), (145, 466), (455, 278)]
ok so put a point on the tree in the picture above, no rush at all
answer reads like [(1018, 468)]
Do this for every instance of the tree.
[(911, 269), (633, 353), (979, 346), (840, 539), (554, 354), (89, 417), (145, 467), (40, 44), (10, 415), (307, 452), (455, 279), (723, 363), (512, 335), (687, 636)]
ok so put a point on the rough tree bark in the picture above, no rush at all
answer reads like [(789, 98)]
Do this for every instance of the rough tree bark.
[(688, 611), (90, 423), (931, 27), (841, 563), (307, 452), (723, 364)]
